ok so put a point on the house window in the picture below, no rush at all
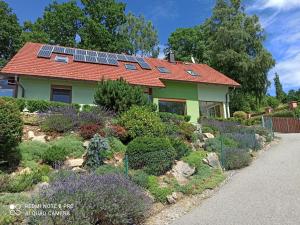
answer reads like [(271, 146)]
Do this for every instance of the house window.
[(211, 109), (61, 94), (176, 106), (163, 69), (130, 67), (62, 59), (192, 72)]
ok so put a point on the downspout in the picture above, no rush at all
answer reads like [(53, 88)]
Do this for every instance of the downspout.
[(227, 104), (18, 84)]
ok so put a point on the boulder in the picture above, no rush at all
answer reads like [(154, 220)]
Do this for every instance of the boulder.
[(213, 160), (177, 195), (78, 170), (208, 135), (31, 135), (181, 171), (40, 138), (73, 163), (170, 199), (260, 140), (86, 144)]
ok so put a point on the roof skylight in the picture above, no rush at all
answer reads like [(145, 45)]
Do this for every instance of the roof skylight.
[(192, 72), (163, 69)]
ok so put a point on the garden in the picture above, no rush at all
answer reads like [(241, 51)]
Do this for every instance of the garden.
[(113, 162)]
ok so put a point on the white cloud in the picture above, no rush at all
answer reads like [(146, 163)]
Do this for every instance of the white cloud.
[(276, 4), (166, 9)]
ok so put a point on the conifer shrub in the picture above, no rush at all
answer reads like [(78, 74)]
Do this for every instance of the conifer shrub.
[(118, 95), (155, 155)]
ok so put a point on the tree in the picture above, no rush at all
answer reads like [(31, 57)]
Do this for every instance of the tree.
[(280, 95), (187, 43), (118, 95), (235, 43), (10, 32), (60, 24), (142, 35), (100, 27)]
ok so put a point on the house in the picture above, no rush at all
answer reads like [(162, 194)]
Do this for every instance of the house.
[(57, 73)]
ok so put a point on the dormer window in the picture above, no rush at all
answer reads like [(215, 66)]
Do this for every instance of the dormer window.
[(62, 59), (163, 69), (192, 72), (130, 67)]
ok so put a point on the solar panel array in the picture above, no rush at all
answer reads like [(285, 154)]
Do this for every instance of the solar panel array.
[(88, 56)]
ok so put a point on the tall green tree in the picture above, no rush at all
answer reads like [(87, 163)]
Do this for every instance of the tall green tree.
[(280, 94), (10, 32), (187, 43), (235, 43), (142, 35), (100, 29), (60, 24)]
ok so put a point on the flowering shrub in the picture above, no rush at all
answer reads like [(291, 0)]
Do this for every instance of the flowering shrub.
[(118, 131), (236, 158), (96, 199)]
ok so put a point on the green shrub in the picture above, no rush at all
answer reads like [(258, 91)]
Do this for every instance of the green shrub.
[(141, 121), (207, 129), (25, 181), (32, 150), (283, 113), (58, 123), (235, 158), (272, 102), (159, 193), (4, 179), (43, 105), (54, 154), (214, 144), (140, 177), (240, 115), (118, 95), (186, 130), (155, 155), (108, 169), (71, 144), (96, 152), (181, 148), (11, 130), (20, 102), (172, 118), (116, 145)]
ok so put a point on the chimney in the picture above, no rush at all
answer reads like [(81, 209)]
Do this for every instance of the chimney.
[(171, 56)]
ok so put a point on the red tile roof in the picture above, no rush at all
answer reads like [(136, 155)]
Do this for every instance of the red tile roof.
[(26, 63)]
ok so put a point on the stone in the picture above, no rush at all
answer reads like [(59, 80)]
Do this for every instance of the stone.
[(205, 161), (40, 138), (177, 195), (213, 160), (260, 140), (170, 199), (86, 144), (208, 135), (73, 162), (31, 135), (25, 170), (78, 170), (181, 171)]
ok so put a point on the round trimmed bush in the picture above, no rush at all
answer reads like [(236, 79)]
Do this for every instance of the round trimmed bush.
[(236, 158), (141, 121), (154, 155), (11, 130), (240, 115)]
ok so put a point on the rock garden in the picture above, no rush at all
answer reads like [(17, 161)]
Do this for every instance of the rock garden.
[(116, 162)]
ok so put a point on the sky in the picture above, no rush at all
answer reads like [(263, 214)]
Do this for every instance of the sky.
[(280, 19)]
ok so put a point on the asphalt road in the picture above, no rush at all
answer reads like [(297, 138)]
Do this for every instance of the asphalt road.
[(265, 193)]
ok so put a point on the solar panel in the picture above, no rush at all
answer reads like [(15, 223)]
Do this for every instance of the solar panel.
[(145, 65), (70, 51), (47, 48), (91, 59), (102, 60), (79, 58), (58, 49), (139, 59), (122, 58), (112, 61), (111, 56), (44, 54), (102, 54), (91, 53), (80, 52), (131, 58)]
